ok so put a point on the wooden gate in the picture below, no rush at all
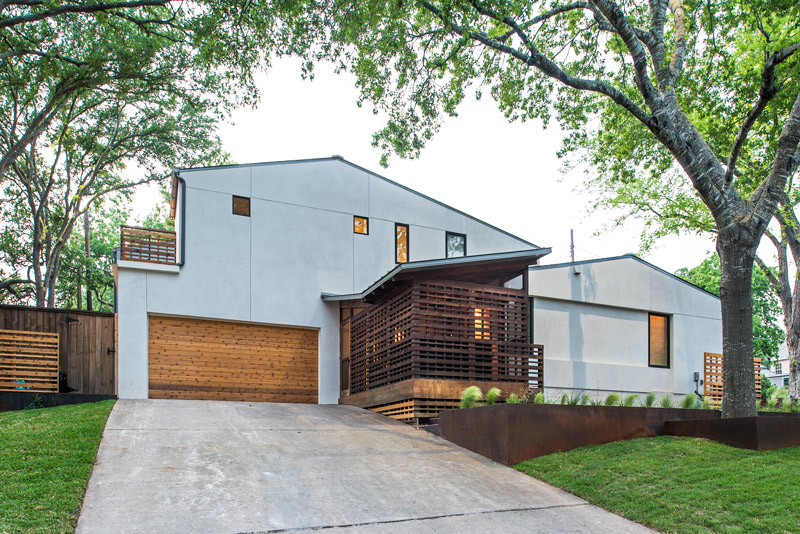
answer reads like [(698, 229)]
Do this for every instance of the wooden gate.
[(712, 377)]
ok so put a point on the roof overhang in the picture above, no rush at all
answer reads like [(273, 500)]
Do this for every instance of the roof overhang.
[(501, 266)]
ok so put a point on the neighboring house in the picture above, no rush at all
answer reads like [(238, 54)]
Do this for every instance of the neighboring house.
[(319, 281), (622, 325), (778, 374)]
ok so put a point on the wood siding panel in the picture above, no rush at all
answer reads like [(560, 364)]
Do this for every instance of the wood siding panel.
[(219, 360)]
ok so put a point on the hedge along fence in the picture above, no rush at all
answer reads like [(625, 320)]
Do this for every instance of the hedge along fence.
[(28, 361)]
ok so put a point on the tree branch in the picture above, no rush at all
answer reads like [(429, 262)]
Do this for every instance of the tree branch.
[(78, 8), (766, 93)]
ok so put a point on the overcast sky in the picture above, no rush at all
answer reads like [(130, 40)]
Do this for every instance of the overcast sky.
[(505, 174)]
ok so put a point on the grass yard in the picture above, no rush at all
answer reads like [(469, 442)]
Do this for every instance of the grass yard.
[(682, 484), (46, 458)]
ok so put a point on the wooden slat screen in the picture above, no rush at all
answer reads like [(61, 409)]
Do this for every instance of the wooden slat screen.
[(28, 361), (712, 377), (446, 331), (148, 245)]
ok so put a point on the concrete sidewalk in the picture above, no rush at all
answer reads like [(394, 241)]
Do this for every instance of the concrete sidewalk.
[(227, 467)]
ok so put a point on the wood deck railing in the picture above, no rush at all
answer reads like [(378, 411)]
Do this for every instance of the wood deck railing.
[(712, 377), (147, 245), (28, 361)]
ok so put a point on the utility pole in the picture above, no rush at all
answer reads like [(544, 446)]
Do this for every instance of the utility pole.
[(571, 246), (86, 237)]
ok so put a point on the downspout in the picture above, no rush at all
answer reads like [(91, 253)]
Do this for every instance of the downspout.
[(182, 186)]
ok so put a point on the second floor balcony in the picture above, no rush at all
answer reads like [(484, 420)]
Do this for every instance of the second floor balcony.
[(148, 245)]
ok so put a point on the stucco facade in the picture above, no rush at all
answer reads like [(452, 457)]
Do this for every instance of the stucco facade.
[(593, 319), (273, 266)]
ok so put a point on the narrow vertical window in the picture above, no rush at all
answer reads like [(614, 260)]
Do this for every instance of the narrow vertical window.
[(481, 324), (241, 206), (455, 245), (659, 341), (360, 225), (401, 243)]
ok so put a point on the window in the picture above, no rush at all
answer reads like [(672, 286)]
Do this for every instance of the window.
[(360, 225), (659, 340), (482, 324), (455, 245), (786, 382), (401, 243), (241, 206)]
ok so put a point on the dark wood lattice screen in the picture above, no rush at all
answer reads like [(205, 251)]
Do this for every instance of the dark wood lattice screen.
[(448, 331)]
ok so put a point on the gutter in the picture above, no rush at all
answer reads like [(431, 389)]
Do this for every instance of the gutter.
[(182, 237)]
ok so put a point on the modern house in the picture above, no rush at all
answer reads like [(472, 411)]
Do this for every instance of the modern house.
[(320, 281)]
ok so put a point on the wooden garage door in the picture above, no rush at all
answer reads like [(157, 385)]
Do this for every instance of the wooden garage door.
[(218, 360)]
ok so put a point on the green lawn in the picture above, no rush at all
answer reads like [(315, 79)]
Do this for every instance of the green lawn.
[(46, 458), (682, 484)]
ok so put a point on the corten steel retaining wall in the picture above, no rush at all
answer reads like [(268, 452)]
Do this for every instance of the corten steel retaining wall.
[(511, 433), (757, 433)]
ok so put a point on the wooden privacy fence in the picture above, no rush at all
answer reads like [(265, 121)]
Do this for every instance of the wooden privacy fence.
[(147, 244), (712, 377), (28, 361), (86, 348)]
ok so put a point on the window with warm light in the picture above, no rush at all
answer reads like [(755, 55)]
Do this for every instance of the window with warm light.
[(360, 225), (481, 324), (401, 243), (455, 245), (659, 340)]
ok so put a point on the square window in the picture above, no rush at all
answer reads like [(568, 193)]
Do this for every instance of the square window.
[(360, 225), (401, 243), (241, 206), (455, 245), (659, 341)]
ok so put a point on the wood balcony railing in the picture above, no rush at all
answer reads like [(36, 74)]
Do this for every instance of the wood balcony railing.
[(147, 245)]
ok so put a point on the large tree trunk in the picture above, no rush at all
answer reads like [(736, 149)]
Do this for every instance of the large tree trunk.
[(793, 344), (738, 373)]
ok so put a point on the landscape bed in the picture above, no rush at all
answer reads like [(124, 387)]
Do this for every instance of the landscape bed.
[(511, 433)]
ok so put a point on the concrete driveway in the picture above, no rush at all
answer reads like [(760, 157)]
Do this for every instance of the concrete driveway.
[(230, 467)]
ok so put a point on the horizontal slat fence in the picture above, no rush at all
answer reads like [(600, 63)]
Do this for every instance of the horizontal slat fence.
[(28, 361), (86, 351), (712, 377), (148, 245), (448, 332)]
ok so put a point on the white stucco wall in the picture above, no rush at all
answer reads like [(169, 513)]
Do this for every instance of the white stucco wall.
[(594, 327), (298, 242)]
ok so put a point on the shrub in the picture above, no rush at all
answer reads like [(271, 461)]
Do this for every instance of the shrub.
[(564, 399), (470, 396), (36, 404), (586, 399), (772, 404), (630, 400), (612, 400), (574, 400), (780, 393), (650, 400), (689, 402), (795, 407), (666, 401), (707, 403), (539, 398), (767, 387), (492, 395), (514, 399)]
